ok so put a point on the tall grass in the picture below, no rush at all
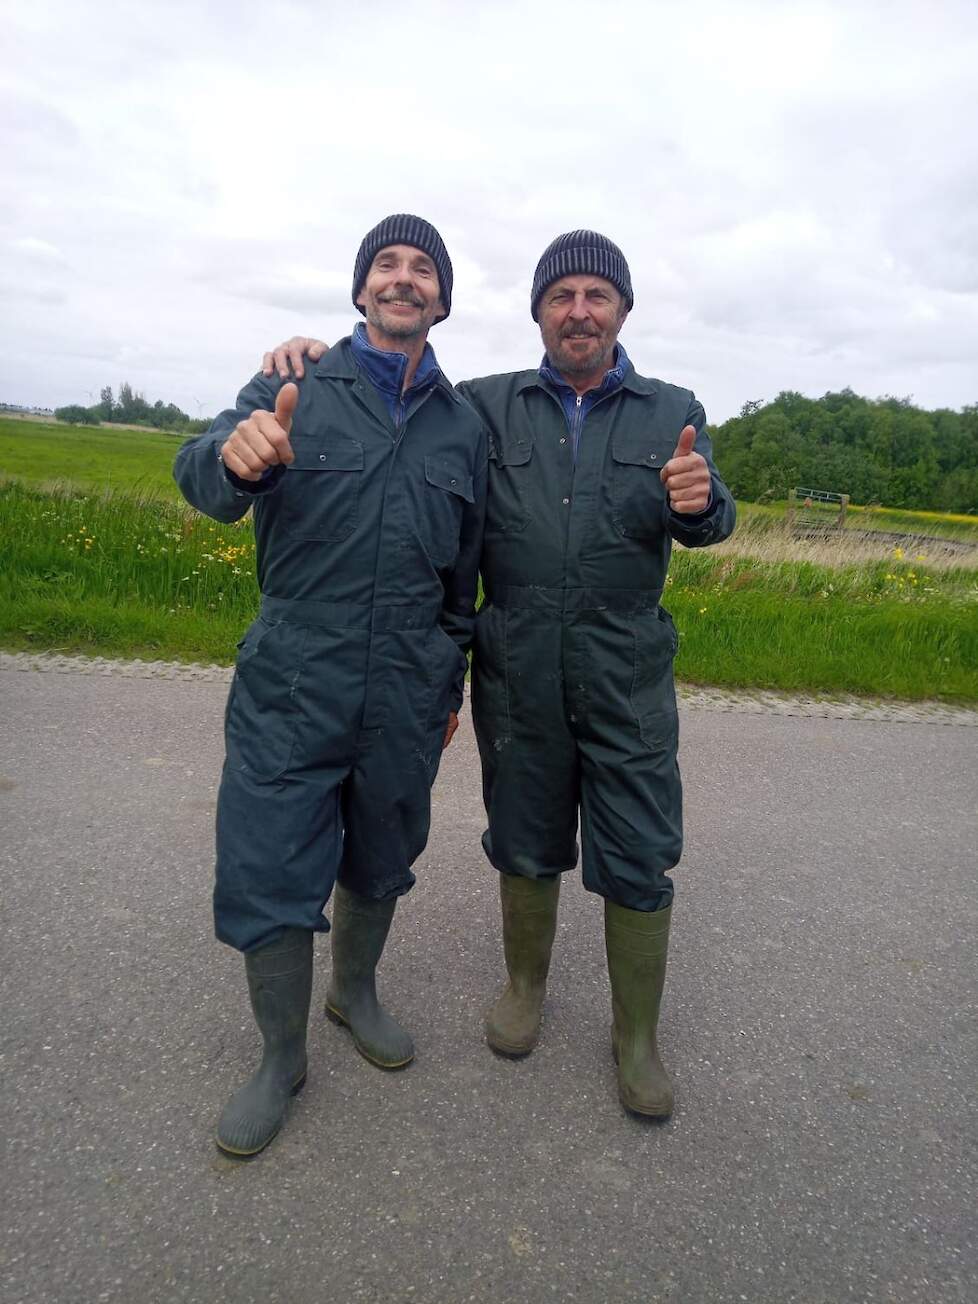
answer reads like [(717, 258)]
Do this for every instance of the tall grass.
[(123, 572), (127, 574)]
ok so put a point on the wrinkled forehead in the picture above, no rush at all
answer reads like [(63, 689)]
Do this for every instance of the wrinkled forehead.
[(404, 253), (582, 281)]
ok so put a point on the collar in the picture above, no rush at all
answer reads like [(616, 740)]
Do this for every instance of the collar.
[(386, 368)]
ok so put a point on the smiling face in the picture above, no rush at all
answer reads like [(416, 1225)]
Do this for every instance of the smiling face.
[(401, 296), (580, 317)]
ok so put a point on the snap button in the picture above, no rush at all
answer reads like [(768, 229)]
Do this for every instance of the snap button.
[(453, 482), (322, 457), (563, 441), (565, 501), (653, 456)]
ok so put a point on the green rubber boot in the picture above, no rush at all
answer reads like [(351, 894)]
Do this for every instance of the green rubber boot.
[(280, 986), (360, 929), (637, 942), (529, 923)]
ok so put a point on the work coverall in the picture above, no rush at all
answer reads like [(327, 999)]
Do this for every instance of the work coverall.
[(367, 555), (573, 698)]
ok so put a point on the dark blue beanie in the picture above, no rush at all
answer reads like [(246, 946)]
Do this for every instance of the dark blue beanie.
[(405, 229), (581, 253)]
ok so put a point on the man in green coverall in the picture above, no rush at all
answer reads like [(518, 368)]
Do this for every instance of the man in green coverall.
[(367, 480), (593, 471)]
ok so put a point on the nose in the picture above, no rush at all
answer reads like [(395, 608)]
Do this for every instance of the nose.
[(579, 308)]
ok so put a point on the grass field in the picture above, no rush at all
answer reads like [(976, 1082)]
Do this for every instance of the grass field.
[(45, 453), (122, 574), (113, 562)]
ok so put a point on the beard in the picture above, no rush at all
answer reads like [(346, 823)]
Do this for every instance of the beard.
[(392, 325), (574, 361)]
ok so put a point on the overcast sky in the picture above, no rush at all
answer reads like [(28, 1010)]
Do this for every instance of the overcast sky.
[(795, 186)]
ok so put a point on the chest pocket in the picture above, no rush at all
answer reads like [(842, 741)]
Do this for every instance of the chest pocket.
[(448, 487), (322, 488), (638, 496), (507, 508)]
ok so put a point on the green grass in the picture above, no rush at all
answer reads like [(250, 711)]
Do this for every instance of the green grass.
[(44, 453), (122, 574), (889, 629), (938, 525), (128, 575)]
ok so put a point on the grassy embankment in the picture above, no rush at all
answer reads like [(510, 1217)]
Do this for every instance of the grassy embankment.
[(131, 571)]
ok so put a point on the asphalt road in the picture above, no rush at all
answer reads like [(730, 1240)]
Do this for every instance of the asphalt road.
[(819, 1023)]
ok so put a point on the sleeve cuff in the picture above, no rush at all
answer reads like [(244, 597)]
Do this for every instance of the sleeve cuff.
[(270, 478)]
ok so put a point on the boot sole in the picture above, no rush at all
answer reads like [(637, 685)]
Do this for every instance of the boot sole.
[(334, 1016), (509, 1050), (645, 1113), (637, 1109), (232, 1153)]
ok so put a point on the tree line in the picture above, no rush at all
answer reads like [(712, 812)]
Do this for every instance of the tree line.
[(875, 450), (131, 409), (883, 451)]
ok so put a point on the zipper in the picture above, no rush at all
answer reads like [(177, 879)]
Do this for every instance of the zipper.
[(576, 428)]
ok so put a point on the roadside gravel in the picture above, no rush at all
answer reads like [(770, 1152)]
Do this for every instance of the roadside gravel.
[(692, 697)]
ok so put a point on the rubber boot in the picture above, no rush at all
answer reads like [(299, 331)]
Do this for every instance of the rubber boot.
[(637, 942), (529, 922), (360, 929), (280, 985)]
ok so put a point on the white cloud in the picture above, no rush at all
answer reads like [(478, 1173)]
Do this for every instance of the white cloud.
[(794, 186)]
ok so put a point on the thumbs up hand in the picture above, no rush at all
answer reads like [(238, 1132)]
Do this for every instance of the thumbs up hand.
[(263, 439), (686, 477)]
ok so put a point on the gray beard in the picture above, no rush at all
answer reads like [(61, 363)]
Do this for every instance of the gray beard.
[(396, 330), (571, 365)]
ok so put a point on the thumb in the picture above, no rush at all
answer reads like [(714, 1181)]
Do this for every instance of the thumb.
[(285, 403), (687, 437)]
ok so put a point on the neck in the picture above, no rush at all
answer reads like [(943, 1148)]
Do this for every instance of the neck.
[(581, 384), (412, 348)]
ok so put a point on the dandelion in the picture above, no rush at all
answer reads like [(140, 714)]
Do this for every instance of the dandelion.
[(921, 556), (702, 611), (898, 554)]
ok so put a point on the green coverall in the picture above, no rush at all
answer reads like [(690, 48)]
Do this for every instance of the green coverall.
[(573, 697), (367, 552)]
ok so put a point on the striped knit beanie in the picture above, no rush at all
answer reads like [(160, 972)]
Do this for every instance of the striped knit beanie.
[(403, 228), (581, 253)]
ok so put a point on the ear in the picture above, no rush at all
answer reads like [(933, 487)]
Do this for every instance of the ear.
[(360, 299)]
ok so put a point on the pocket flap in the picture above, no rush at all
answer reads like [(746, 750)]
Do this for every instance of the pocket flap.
[(330, 454), (514, 454), (635, 451), (445, 476)]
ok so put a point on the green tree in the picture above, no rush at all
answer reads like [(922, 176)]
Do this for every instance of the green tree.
[(76, 415)]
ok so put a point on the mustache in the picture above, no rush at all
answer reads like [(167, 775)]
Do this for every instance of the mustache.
[(579, 332), (394, 297)]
